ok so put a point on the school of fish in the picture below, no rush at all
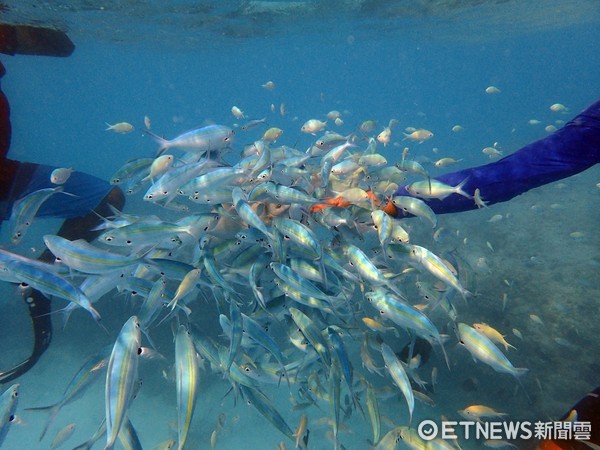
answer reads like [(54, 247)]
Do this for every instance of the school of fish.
[(301, 257)]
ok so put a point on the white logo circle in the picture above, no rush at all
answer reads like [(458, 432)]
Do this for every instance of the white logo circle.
[(427, 430)]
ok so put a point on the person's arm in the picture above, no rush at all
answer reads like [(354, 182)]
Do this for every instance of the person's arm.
[(568, 151)]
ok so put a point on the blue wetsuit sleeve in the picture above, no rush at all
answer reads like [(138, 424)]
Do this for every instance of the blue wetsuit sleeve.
[(568, 151)]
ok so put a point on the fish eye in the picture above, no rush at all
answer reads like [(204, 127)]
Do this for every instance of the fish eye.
[(149, 196), (128, 242), (108, 238), (165, 192)]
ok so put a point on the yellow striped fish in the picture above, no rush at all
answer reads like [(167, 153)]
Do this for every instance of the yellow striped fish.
[(121, 377), (482, 348), (186, 368)]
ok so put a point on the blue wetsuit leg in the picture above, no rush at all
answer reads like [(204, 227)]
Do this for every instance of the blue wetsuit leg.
[(87, 193), (568, 151)]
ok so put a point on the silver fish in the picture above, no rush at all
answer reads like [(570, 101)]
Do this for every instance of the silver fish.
[(200, 140), (25, 209), (121, 378), (186, 368)]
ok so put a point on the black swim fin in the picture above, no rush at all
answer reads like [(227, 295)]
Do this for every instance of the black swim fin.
[(39, 311), (32, 40)]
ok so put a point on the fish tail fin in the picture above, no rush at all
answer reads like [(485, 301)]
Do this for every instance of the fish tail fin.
[(96, 315), (445, 354), (521, 372), (466, 294), (459, 189), (147, 334), (173, 303), (49, 408), (357, 405), (164, 143), (66, 314), (52, 410)]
